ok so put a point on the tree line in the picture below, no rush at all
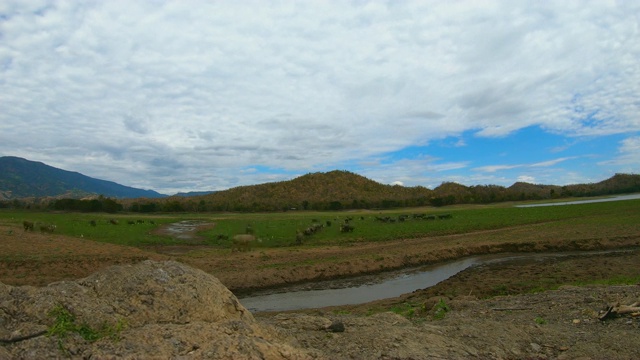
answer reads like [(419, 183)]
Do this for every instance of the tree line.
[(341, 190)]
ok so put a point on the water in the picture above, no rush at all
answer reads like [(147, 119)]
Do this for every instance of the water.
[(385, 287), (613, 198)]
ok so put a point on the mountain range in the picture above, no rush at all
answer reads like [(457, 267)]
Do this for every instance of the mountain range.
[(334, 190), (22, 178), (342, 190)]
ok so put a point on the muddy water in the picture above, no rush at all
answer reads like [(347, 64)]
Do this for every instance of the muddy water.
[(184, 230), (613, 198), (385, 286)]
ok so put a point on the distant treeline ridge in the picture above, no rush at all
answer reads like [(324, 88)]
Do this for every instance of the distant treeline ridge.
[(338, 190)]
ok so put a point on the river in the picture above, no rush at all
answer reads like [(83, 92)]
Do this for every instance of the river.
[(382, 286), (577, 202)]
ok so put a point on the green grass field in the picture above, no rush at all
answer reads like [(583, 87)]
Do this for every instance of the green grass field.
[(279, 229)]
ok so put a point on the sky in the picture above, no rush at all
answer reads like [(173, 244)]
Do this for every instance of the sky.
[(208, 95)]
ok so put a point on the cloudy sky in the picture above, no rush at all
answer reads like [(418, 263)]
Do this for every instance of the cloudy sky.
[(208, 95)]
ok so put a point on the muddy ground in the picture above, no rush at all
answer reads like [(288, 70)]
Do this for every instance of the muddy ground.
[(550, 324)]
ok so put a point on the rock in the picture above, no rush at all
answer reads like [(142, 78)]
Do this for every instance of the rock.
[(302, 321), (153, 309), (336, 326)]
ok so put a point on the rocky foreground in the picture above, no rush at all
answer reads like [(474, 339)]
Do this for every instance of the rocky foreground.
[(170, 310)]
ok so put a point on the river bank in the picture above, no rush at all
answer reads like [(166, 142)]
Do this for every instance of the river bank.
[(532, 271), (512, 322)]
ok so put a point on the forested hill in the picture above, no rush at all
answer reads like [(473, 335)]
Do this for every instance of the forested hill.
[(321, 191), (337, 190), (20, 178)]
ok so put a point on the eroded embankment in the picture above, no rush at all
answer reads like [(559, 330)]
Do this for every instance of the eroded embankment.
[(392, 284), (272, 268)]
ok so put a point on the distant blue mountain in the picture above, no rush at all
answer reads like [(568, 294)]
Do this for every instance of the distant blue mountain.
[(20, 178)]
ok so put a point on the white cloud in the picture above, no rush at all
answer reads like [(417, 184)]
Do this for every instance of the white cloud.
[(149, 93), (551, 162), (527, 179), (628, 155), (495, 168)]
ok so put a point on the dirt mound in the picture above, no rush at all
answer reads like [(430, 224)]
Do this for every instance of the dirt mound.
[(151, 309)]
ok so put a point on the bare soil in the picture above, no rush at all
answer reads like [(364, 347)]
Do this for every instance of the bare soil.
[(493, 309)]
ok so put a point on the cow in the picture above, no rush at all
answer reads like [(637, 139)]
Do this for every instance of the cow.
[(93, 223), (346, 228), (243, 242), (47, 228), (28, 225)]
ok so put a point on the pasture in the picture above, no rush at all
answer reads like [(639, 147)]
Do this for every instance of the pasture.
[(77, 248), (278, 230)]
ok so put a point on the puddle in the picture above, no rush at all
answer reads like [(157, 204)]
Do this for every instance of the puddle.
[(184, 230)]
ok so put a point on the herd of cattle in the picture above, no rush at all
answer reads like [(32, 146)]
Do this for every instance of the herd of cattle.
[(346, 226), (49, 228), (116, 222), (243, 242), (45, 228)]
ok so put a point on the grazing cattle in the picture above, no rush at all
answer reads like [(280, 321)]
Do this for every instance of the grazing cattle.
[(113, 221), (131, 222), (152, 222), (47, 228), (299, 237), (328, 222), (314, 228), (346, 228), (243, 242), (140, 221), (430, 217), (93, 223), (445, 216), (28, 225)]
